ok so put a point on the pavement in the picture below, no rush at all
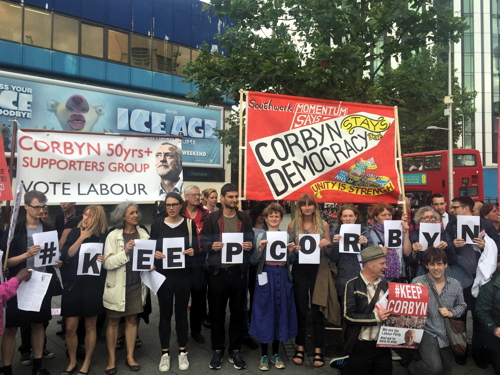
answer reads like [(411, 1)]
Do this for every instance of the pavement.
[(148, 356)]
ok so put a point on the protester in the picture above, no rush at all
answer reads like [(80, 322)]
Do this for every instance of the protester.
[(413, 261), (438, 203), (489, 211), (192, 209), (308, 220), (434, 349), (348, 264), (177, 285), (476, 210), (125, 294), (227, 282), (68, 212), (82, 294), (21, 255), (363, 319), (488, 315), (395, 270), (210, 200), (471, 254), (274, 316)]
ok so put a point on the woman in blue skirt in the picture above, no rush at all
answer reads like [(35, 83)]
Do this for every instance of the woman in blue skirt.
[(274, 317)]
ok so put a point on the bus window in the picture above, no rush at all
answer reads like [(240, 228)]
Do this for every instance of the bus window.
[(432, 162), (464, 160), (412, 163), (468, 191)]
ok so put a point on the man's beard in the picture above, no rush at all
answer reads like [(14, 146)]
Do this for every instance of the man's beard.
[(171, 175)]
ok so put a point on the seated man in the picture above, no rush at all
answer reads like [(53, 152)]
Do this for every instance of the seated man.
[(434, 349)]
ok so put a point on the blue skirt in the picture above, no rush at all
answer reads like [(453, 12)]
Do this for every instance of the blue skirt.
[(274, 316)]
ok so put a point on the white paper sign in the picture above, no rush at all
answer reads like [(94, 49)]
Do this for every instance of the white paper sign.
[(49, 248), (262, 277), (144, 255), (232, 250), (31, 293), (468, 227), (276, 246), (309, 248), (153, 280), (429, 235), (173, 248), (393, 234), (87, 259), (349, 238)]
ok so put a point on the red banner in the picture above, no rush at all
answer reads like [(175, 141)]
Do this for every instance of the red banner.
[(5, 186), (336, 151)]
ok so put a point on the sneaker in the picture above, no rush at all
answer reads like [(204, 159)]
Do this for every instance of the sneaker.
[(25, 359), (339, 362), (183, 361), (278, 363), (237, 360), (48, 354), (164, 363), (264, 365), (217, 358), (395, 356)]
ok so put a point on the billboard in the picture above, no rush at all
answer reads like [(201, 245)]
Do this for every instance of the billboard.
[(40, 103)]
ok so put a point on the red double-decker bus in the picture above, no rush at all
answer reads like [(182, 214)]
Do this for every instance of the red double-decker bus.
[(426, 173)]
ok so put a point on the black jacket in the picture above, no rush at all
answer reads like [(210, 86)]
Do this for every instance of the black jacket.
[(211, 233)]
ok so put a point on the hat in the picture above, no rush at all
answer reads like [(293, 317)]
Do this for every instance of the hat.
[(372, 253)]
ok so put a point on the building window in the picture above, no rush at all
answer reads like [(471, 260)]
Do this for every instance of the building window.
[(162, 56), (37, 28), (118, 46), (182, 56), (468, 6), (12, 21), (140, 50), (92, 40), (65, 34)]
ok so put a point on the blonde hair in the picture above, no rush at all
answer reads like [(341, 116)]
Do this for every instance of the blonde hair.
[(98, 224), (317, 223), (206, 193)]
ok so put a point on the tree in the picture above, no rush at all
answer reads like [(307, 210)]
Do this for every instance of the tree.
[(418, 86), (328, 49)]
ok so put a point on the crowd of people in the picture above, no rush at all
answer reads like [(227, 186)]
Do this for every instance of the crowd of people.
[(269, 298)]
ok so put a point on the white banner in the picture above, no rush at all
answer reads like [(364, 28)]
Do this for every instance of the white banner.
[(468, 228), (393, 234), (430, 235), (276, 246), (173, 248), (309, 248), (144, 255), (98, 168), (49, 249), (87, 259), (349, 238), (232, 250)]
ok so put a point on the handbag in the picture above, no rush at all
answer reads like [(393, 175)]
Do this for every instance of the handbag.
[(455, 328)]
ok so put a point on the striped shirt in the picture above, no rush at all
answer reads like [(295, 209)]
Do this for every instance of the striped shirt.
[(452, 297)]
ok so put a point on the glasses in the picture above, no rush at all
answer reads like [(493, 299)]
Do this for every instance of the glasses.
[(38, 208), (171, 205), (455, 207), (195, 195), (432, 217)]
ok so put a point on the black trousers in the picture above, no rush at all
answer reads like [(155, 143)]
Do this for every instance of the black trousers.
[(367, 359), (227, 286), (304, 278), (198, 311), (177, 289)]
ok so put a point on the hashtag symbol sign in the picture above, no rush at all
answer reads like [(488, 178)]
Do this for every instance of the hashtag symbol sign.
[(47, 253), (396, 291)]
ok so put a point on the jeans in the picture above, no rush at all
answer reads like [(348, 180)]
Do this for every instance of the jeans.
[(178, 289), (435, 360), (228, 285), (493, 347)]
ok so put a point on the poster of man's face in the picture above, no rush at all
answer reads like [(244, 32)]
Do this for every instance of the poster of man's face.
[(169, 166)]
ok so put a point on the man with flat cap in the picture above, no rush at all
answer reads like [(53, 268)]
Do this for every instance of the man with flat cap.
[(363, 319)]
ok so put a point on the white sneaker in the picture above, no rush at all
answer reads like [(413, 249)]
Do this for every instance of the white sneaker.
[(183, 361), (395, 356), (164, 363)]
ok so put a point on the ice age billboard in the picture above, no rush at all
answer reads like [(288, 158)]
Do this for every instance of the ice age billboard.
[(55, 105), (336, 151)]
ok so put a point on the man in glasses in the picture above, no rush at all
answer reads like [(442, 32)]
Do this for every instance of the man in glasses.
[(21, 255), (193, 209), (471, 254)]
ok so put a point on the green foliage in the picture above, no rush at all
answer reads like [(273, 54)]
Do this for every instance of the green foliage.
[(418, 86), (328, 49)]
